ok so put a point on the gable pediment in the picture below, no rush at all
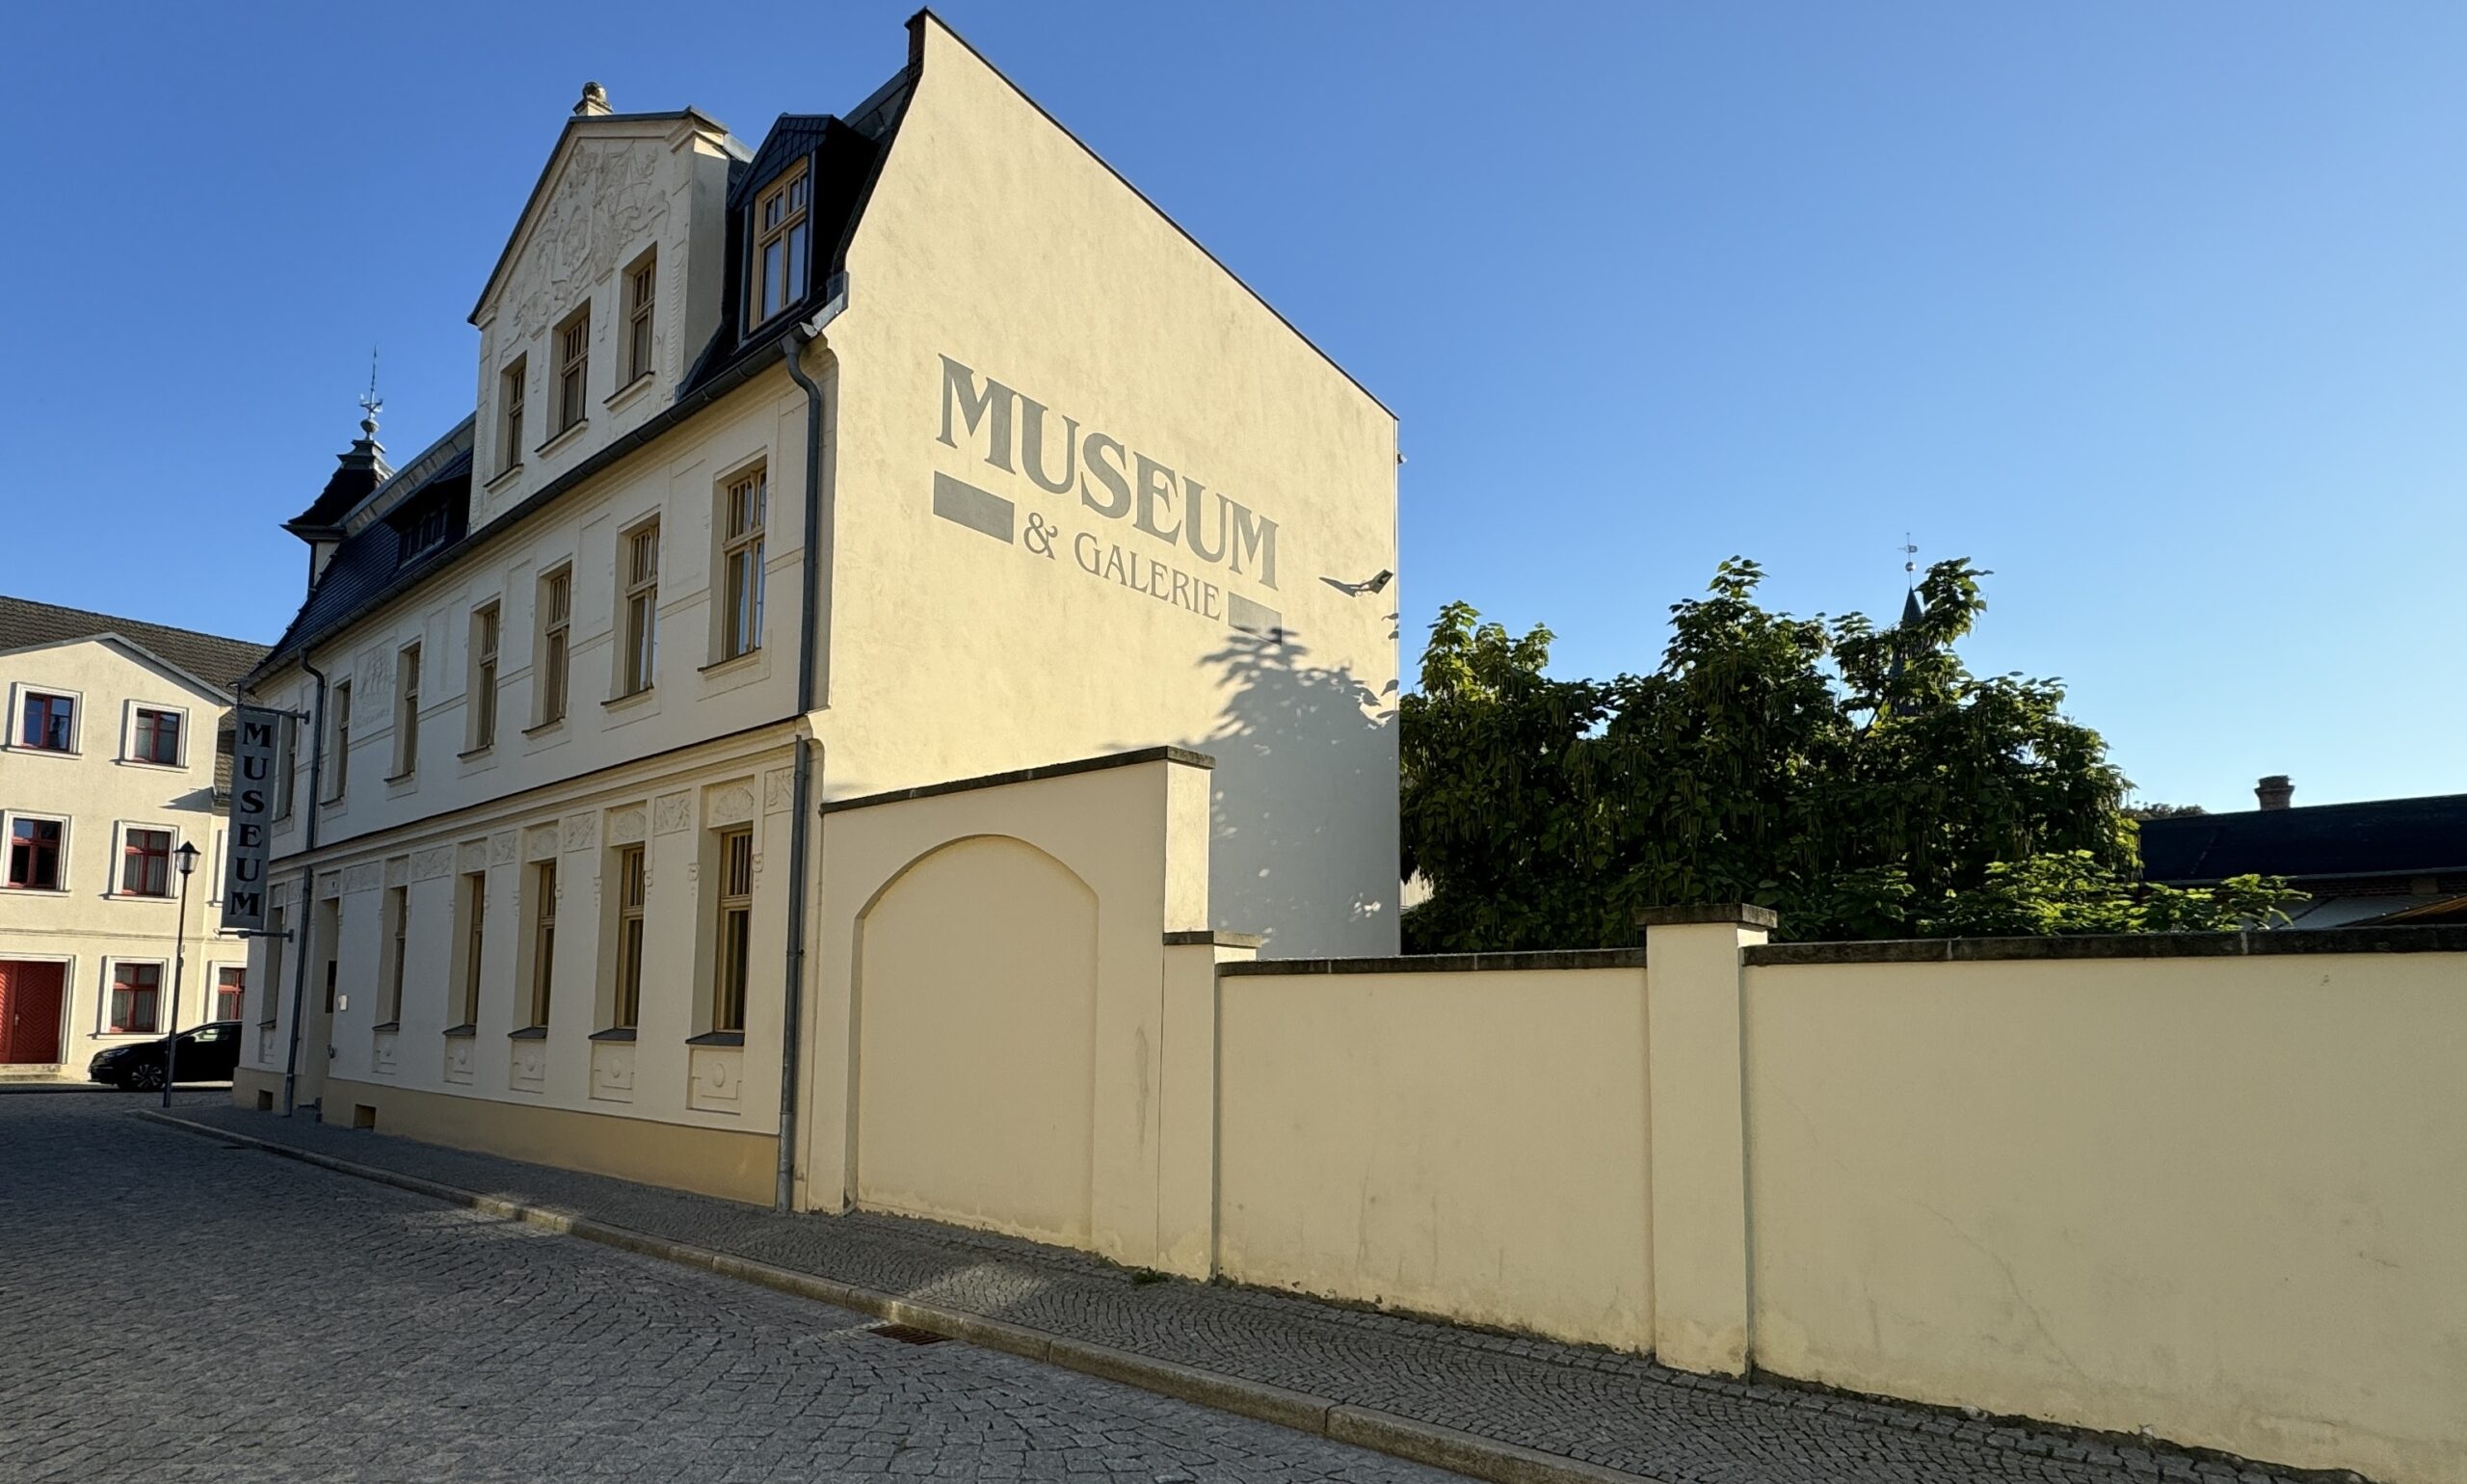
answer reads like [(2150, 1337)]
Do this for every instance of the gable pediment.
[(608, 184)]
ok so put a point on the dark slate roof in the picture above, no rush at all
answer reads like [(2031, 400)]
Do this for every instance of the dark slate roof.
[(2378, 838), (216, 661), (356, 477), (369, 561)]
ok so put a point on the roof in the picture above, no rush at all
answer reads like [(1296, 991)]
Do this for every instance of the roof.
[(369, 562), (2376, 837), (216, 661)]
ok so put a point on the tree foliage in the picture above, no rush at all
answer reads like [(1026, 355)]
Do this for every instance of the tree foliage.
[(1858, 780)]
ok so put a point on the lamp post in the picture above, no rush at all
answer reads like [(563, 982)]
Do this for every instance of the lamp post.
[(179, 962)]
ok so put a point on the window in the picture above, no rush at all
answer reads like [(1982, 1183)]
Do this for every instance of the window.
[(573, 368), (642, 283), (231, 993), (556, 619), (736, 930), (421, 530), (34, 854), (157, 737), (145, 862), (741, 511), (512, 384), (544, 938), (484, 677), (341, 751), (780, 233), (630, 883), (398, 919), (137, 992), (51, 722), (407, 713), (475, 924), (642, 607), (274, 942)]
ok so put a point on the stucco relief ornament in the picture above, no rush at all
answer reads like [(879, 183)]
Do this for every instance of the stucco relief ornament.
[(430, 864), (778, 787), (501, 847), (625, 827), (472, 856), (329, 885), (398, 871), (732, 805), (581, 831), (539, 842), (672, 813), (363, 878)]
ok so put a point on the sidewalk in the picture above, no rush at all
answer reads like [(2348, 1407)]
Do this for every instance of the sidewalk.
[(1497, 1406)]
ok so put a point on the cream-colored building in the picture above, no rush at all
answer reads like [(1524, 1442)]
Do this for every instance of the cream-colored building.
[(911, 444), (109, 766)]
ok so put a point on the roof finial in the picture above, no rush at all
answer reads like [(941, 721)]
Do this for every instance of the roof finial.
[(1909, 560), (595, 100), (371, 404)]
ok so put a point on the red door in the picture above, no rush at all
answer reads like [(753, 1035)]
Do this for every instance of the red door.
[(30, 1011)]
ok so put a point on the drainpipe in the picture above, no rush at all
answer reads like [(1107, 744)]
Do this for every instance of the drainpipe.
[(305, 933), (801, 776)]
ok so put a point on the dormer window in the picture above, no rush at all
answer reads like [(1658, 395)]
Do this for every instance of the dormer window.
[(780, 233), (424, 532)]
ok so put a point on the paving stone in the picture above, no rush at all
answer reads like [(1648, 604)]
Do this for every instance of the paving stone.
[(174, 1308)]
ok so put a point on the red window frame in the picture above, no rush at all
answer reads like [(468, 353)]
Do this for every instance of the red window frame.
[(134, 985), (51, 722), (231, 993), (27, 850), (144, 869), (158, 735)]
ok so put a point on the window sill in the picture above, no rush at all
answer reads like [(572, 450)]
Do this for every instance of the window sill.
[(565, 435), (629, 392), (528, 1033), (732, 662), (631, 699), (138, 897), (392, 779), (462, 1032), (44, 751), (386, 1027), (477, 752), (624, 1033), (717, 1038), (149, 762), (503, 476), (554, 724), (35, 891)]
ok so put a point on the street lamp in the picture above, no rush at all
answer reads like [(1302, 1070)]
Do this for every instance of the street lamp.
[(179, 962)]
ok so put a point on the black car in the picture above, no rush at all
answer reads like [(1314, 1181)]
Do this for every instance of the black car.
[(209, 1053)]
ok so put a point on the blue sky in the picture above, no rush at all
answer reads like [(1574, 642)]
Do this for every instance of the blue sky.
[(2158, 311)]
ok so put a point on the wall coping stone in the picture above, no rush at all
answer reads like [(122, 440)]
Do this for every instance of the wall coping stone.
[(1734, 913), (1446, 963), (1190, 937), (2433, 938), (1181, 755)]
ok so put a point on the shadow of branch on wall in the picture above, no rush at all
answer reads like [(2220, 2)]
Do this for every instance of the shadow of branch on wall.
[(1303, 802)]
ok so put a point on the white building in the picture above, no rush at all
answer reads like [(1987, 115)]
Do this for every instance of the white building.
[(109, 767), (913, 445)]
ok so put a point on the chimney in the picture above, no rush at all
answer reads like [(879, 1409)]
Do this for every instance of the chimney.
[(2274, 791), (594, 101)]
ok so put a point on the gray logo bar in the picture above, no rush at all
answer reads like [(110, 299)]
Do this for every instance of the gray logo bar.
[(979, 510)]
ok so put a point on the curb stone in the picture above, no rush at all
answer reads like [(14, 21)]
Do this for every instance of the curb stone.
[(1383, 1432)]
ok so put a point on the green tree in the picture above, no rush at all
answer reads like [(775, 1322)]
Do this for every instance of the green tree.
[(1858, 780)]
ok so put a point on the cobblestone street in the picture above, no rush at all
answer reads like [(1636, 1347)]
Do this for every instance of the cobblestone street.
[(174, 1308)]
